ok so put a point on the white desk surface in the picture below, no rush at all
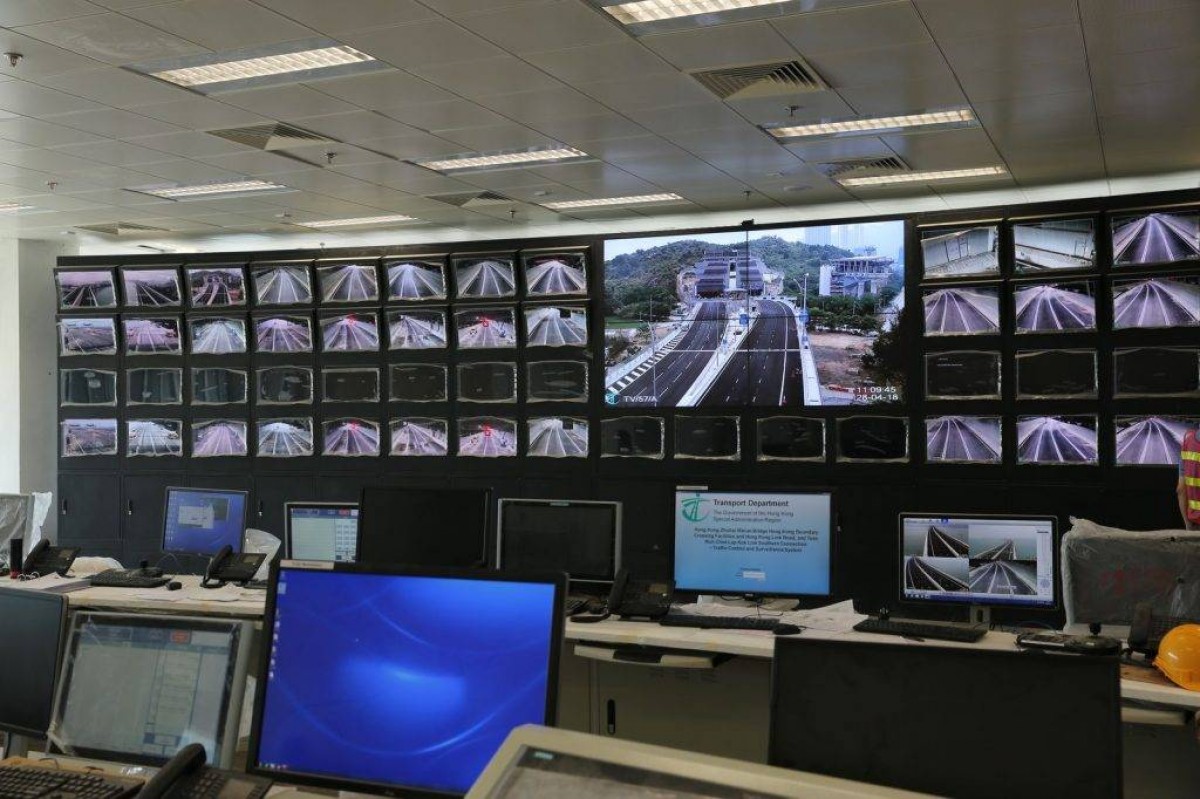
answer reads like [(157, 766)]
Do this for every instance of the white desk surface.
[(191, 598)]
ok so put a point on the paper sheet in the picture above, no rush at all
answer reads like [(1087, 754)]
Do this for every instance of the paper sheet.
[(836, 618)]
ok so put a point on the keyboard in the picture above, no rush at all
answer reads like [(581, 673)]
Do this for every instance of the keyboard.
[(126, 578), (718, 622), (920, 629), (31, 782), (573, 604)]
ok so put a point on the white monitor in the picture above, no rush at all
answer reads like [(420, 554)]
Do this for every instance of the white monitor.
[(137, 688), (322, 531)]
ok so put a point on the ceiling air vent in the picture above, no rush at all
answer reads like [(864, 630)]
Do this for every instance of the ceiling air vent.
[(761, 80), (480, 199), (875, 166), (273, 136), (122, 228)]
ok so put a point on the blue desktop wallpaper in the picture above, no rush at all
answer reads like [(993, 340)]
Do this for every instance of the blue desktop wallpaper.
[(227, 526), (406, 681)]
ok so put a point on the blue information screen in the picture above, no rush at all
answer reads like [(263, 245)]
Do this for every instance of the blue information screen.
[(403, 681), (753, 543), (200, 522)]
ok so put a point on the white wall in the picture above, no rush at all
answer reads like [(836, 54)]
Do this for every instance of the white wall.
[(10, 368)]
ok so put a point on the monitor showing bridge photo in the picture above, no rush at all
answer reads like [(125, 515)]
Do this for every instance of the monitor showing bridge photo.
[(791, 317)]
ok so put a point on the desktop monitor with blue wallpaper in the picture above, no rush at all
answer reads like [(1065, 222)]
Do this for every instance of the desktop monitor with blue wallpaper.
[(201, 521), (382, 679), (754, 543)]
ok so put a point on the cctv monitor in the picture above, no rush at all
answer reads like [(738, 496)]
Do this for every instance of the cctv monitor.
[(400, 681), (432, 527), (200, 521), (580, 537), (321, 531), (755, 543), (136, 688), (1002, 723), (31, 627), (979, 560)]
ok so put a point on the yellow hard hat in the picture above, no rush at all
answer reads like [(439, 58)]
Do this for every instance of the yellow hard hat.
[(1179, 656)]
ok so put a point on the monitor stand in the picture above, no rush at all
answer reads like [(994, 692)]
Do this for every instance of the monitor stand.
[(981, 616), (15, 745), (782, 604)]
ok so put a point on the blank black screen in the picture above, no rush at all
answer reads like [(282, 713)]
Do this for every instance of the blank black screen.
[(952, 722), (578, 538), (31, 629), (438, 528)]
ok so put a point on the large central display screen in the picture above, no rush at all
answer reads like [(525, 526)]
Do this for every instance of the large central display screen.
[(790, 317), (753, 543)]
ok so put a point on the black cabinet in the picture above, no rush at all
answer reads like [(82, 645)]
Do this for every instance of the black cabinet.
[(143, 501), (89, 508), (271, 492)]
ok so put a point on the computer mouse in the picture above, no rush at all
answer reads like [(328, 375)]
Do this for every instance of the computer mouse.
[(787, 629), (174, 585)]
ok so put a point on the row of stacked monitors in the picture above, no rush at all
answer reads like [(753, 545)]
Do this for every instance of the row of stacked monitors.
[(1063, 374), (545, 381), (1138, 237), (338, 281), (358, 331), (1063, 306)]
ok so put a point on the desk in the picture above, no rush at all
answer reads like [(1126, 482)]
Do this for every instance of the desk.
[(188, 600)]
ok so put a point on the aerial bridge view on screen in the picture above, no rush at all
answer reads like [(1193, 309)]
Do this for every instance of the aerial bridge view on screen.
[(951, 555), (799, 316), (1156, 238)]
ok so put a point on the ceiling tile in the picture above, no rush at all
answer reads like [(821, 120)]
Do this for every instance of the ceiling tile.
[(184, 172), (27, 99), (113, 123), (116, 87), (42, 59), (486, 78), (1039, 46), (899, 64), (287, 102), (414, 147), (583, 131), (35, 132), (1144, 67), (1031, 119), (904, 98), (422, 44), (1023, 81), (711, 116), (14, 13), (546, 104), (378, 91), (112, 38), (503, 179), (189, 144), (498, 137), (334, 18), (1155, 29), (545, 26), (116, 153), (222, 24), (953, 19), (852, 29), (403, 176), (812, 107), (253, 163), (650, 90), (355, 126), (200, 113), (953, 149), (820, 152), (1168, 99), (721, 46), (601, 62), (451, 115)]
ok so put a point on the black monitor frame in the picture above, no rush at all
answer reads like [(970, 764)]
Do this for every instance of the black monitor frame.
[(167, 507), (557, 579), (48, 599), (489, 512), (564, 503)]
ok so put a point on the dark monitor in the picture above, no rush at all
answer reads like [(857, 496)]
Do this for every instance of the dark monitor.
[(977, 559), (200, 521), (438, 528), (136, 688), (968, 721), (321, 531), (31, 632), (754, 542), (579, 537), (387, 680)]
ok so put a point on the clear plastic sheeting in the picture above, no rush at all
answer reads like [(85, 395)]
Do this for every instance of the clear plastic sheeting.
[(260, 541), (1108, 571), (21, 516)]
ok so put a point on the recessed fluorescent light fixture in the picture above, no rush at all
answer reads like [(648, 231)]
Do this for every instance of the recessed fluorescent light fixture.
[(658, 16), (639, 199), (270, 65), (926, 177), (517, 158), (908, 123), (12, 208), (205, 191), (361, 220)]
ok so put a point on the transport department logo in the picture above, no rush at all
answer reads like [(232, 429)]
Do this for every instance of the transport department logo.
[(693, 509)]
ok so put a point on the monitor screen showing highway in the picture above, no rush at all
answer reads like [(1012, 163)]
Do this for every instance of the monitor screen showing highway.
[(978, 561), (790, 317)]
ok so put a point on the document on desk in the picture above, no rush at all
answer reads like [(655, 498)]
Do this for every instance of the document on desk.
[(836, 618), (51, 583), (216, 595), (160, 595)]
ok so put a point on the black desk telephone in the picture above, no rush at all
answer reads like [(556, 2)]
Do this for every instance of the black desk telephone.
[(186, 777), (228, 566), (637, 598), (44, 559)]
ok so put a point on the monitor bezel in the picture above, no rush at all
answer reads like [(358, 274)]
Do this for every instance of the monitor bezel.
[(60, 657), (834, 534), (241, 631), (489, 509), (618, 509), (1055, 556), (287, 522), (167, 505), (557, 579)]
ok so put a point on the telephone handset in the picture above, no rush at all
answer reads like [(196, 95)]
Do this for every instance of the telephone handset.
[(44, 559), (228, 566), (650, 599), (186, 777)]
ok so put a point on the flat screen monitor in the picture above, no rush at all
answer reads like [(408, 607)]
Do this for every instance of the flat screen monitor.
[(757, 543), (979, 560), (386, 681), (136, 688), (433, 527), (579, 537), (322, 531), (1003, 723), (200, 521), (31, 625)]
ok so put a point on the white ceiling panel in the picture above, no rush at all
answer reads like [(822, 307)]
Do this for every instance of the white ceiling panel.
[(1148, 66), (953, 149), (14, 13), (851, 29), (1171, 98), (546, 104), (40, 59), (423, 44), (116, 87), (498, 137), (451, 115), (221, 24), (335, 18), (45, 160), (617, 60), (418, 146), (544, 26), (584, 132), (381, 90), (200, 113), (823, 151), (474, 79), (116, 153), (185, 172), (287, 102), (1056, 116), (20, 97), (899, 64), (355, 126), (112, 38), (255, 163), (1026, 81), (957, 19), (797, 110), (711, 116), (189, 144), (650, 90), (905, 98), (728, 45), (113, 123), (502, 180), (1039, 46), (1156, 29)]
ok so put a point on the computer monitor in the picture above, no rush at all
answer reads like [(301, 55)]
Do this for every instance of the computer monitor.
[(433, 527), (321, 531), (136, 688), (754, 542), (200, 521), (964, 721), (31, 637), (580, 537), (981, 560), (381, 680)]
